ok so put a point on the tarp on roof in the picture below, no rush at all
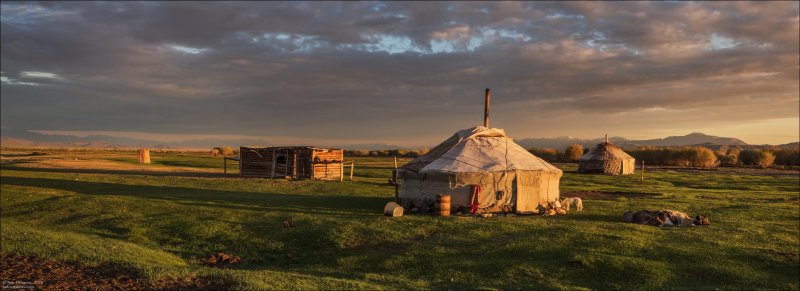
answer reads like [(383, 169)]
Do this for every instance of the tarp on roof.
[(478, 150), (605, 151)]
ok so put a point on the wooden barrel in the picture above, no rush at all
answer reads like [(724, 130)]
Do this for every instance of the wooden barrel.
[(393, 209), (443, 204)]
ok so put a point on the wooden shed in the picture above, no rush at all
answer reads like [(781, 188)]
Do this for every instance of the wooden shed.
[(297, 162)]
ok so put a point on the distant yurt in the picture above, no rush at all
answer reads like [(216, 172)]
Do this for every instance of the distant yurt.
[(606, 158), (483, 171)]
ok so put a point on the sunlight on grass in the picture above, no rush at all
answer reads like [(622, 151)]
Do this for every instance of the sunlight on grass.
[(165, 225)]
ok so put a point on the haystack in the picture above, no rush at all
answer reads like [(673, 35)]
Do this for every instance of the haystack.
[(506, 176), (606, 158)]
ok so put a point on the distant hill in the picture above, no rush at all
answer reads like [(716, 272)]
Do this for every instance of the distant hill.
[(686, 140), (791, 144), (690, 139), (22, 138)]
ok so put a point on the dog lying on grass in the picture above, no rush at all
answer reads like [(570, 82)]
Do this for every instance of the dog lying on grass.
[(664, 217), (551, 208), (566, 202)]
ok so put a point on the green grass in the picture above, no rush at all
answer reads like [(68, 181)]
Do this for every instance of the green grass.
[(164, 225)]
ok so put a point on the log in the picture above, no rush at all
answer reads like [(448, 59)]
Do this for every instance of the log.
[(393, 210), (144, 156)]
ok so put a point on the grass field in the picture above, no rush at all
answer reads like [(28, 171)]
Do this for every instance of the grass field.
[(163, 219)]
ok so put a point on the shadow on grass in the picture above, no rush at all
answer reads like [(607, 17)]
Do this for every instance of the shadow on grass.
[(592, 217), (304, 203)]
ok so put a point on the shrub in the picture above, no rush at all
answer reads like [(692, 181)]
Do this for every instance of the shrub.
[(547, 154), (676, 156), (357, 153), (765, 159), (787, 156), (424, 150), (702, 157), (759, 158), (573, 152)]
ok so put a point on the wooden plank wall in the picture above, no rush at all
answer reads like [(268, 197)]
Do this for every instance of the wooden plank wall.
[(328, 164), (300, 163), (255, 162)]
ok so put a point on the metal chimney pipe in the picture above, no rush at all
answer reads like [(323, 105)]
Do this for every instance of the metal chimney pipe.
[(488, 96)]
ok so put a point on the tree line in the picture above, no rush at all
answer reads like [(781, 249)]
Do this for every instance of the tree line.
[(687, 156)]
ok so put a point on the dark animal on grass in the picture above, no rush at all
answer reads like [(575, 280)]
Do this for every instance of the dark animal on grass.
[(663, 217)]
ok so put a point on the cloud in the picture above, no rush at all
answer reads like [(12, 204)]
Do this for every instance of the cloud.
[(407, 70), (43, 75)]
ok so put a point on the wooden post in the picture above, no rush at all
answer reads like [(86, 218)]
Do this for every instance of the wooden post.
[(341, 171), (286, 165), (311, 166), (273, 163), (294, 164), (352, 166), (396, 187), (144, 156), (487, 97), (642, 170), (225, 165)]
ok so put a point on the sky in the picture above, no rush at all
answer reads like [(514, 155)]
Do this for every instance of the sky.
[(405, 73)]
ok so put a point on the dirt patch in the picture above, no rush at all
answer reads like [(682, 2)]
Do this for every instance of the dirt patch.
[(24, 272), (607, 195), (222, 260), (98, 164)]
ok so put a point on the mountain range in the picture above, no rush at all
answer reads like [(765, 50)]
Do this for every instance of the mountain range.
[(685, 140), (19, 138)]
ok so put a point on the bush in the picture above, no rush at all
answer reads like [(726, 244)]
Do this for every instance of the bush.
[(573, 152), (676, 156), (787, 156), (763, 159), (547, 154), (702, 157), (386, 153), (424, 150)]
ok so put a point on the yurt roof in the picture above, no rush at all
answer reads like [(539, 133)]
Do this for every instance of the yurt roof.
[(605, 151), (478, 150)]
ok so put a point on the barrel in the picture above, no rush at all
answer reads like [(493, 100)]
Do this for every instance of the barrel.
[(443, 204), (393, 209)]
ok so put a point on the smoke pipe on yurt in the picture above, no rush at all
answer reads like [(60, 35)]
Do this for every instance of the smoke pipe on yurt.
[(487, 97)]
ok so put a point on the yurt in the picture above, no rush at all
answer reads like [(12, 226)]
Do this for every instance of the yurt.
[(483, 171), (606, 158)]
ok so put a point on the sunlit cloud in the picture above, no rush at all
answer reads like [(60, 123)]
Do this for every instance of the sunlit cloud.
[(187, 50), (719, 42), (9, 81), (42, 75)]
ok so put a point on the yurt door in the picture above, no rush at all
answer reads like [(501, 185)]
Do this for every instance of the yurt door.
[(526, 193)]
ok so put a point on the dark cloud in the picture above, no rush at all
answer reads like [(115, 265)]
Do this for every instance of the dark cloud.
[(378, 70)]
